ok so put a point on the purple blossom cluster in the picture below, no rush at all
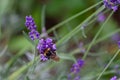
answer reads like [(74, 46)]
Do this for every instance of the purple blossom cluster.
[(114, 78), (75, 69), (111, 4), (30, 24), (77, 66), (43, 44)]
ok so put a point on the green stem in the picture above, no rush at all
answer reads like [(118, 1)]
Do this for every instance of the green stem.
[(97, 34), (0, 32), (77, 29), (73, 17), (17, 73), (43, 16), (55, 34), (97, 41), (106, 36), (108, 64)]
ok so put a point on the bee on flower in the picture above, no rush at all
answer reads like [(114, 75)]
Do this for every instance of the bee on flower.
[(45, 47)]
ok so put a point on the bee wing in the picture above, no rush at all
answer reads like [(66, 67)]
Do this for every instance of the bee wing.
[(55, 58)]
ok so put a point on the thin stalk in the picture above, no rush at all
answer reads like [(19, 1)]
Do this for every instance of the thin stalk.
[(97, 41), (110, 34), (96, 36), (43, 16), (0, 32), (17, 73), (33, 64), (55, 34), (75, 39), (73, 17), (115, 55), (77, 29)]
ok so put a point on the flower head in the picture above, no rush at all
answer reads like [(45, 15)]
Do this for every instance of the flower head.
[(101, 17), (111, 4), (77, 66), (45, 44), (115, 37), (119, 44), (114, 78), (30, 24), (33, 34)]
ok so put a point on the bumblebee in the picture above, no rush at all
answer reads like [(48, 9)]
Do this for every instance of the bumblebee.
[(51, 55)]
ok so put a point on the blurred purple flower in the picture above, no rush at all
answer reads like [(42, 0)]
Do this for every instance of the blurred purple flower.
[(119, 44), (43, 45), (114, 78), (101, 17), (116, 68), (30, 24), (77, 66), (75, 69), (116, 37), (111, 4), (77, 78), (69, 77)]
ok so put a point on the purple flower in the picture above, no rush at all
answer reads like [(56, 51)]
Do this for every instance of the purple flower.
[(114, 78), (43, 45), (77, 78), (119, 44), (77, 66), (115, 1), (101, 17), (43, 58), (46, 47), (33, 34), (116, 37), (69, 77), (111, 4), (30, 24)]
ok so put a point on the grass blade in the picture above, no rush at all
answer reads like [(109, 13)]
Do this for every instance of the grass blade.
[(73, 17)]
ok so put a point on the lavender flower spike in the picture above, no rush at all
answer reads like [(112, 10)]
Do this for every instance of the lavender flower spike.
[(33, 34), (43, 45), (114, 78), (30, 24), (111, 4), (77, 66)]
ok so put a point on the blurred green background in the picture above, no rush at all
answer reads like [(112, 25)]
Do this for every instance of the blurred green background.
[(14, 47)]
